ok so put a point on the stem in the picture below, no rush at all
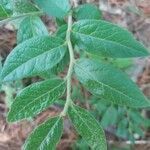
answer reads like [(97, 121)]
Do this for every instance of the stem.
[(75, 3), (20, 16), (70, 70)]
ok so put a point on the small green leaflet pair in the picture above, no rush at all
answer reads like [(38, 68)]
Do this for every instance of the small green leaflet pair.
[(38, 52), (89, 35), (47, 135)]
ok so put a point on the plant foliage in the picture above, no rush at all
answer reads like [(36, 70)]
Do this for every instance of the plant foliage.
[(39, 53)]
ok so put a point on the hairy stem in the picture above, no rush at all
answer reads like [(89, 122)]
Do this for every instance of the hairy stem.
[(70, 70)]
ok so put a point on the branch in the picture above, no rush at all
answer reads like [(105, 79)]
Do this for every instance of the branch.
[(70, 70)]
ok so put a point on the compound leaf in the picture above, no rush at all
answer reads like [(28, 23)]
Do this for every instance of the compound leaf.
[(109, 83), (55, 8), (30, 58), (106, 39), (30, 27), (88, 127), (87, 11), (35, 98), (45, 136)]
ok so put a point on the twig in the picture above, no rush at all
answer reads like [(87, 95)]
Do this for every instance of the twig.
[(75, 3), (70, 70)]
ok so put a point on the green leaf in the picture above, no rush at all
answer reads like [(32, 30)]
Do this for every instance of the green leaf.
[(62, 64), (60, 67), (136, 117), (35, 98), (100, 106), (122, 111), (137, 129), (60, 22), (110, 117), (122, 63), (109, 83), (23, 6), (32, 57), (61, 32), (3, 12), (55, 8), (87, 11), (30, 27), (122, 130), (80, 144), (6, 5), (106, 39), (45, 136), (88, 127)]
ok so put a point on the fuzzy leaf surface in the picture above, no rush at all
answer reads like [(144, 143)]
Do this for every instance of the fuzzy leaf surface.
[(55, 8), (23, 6), (35, 98), (30, 27), (61, 32), (87, 11), (87, 126), (32, 57), (106, 39), (45, 136), (109, 83)]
